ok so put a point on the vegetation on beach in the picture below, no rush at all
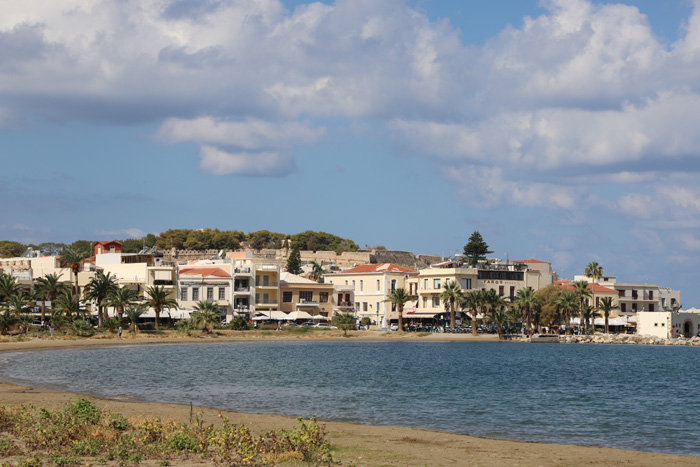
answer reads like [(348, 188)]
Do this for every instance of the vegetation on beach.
[(80, 432)]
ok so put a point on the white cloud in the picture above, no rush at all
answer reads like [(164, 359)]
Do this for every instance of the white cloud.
[(244, 163)]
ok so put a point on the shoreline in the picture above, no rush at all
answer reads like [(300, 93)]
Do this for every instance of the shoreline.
[(370, 445)]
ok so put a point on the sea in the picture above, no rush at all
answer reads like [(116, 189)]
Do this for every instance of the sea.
[(643, 398)]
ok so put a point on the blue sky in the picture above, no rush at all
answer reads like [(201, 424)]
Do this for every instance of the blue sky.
[(564, 130)]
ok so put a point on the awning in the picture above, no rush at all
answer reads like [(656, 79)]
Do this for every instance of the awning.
[(271, 315), (299, 315)]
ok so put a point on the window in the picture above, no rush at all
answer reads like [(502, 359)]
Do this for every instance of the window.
[(183, 294), (621, 293), (623, 307), (222, 293), (210, 293), (377, 307), (466, 284), (501, 290), (425, 284), (287, 297), (362, 284), (323, 297), (673, 302), (663, 302), (651, 307), (634, 294), (393, 285), (512, 292), (364, 306), (379, 285), (436, 283), (651, 296), (195, 294), (436, 302), (425, 302), (306, 296), (357, 306), (393, 307)]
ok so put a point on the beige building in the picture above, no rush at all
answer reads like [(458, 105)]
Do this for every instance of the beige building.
[(304, 299), (267, 287), (372, 284), (667, 325), (205, 282)]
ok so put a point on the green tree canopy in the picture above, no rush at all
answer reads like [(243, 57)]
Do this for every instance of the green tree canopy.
[(476, 248), (11, 249), (294, 261)]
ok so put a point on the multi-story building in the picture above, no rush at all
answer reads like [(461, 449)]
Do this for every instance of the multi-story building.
[(205, 282), (267, 288), (305, 299), (372, 284)]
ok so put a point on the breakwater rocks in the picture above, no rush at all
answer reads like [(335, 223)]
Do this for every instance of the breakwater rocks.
[(627, 339)]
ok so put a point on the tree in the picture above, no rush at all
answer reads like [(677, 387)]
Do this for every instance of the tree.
[(399, 298), (471, 301), (294, 261), (11, 249), (18, 304), (99, 289), (567, 303), (159, 299), (67, 305), (206, 316), (527, 302), (122, 298), (41, 293), (133, 313), (589, 315), (501, 316), (593, 271), (51, 283), (8, 287), (344, 321), (317, 271), (606, 306), (7, 320), (451, 294), (582, 292), (476, 249), (50, 248), (72, 259), (547, 298), (366, 322)]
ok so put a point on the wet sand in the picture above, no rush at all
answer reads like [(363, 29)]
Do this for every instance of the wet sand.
[(362, 445)]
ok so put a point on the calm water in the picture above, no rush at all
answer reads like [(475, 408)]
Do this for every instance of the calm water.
[(631, 397)]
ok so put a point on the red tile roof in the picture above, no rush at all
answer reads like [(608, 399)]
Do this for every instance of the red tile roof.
[(598, 288), (531, 261), (205, 272), (384, 267)]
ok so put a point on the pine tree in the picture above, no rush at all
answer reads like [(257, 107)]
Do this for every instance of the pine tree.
[(294, 261), (476, 249)]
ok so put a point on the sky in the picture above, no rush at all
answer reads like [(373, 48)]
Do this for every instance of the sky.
[(562, 130)]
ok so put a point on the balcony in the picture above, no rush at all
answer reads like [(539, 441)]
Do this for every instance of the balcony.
[(241, 290), (303, 302), (345, 304), (266, 284), (242, 270), (269, 301), (162, 282)]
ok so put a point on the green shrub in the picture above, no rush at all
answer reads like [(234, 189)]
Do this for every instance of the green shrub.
[(118, 422), (239, 323), (181, 441), (82, 329), (82, 411)]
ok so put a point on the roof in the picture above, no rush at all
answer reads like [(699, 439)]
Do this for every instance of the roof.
[(598, 288), (531, 261), (379, 268), (205, 272), (103, 242), (290, 278)]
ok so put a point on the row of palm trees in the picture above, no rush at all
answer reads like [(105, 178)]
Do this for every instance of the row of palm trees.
[(526, 306), (65, 299)]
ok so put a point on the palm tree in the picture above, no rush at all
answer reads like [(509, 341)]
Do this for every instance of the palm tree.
[(451, 294), (344, 321), (100, 287), (53, 285), (159, 300), (25, 320), (8, 286), (73, 259), (206, 316), (527, 303), (67, 305), (501, 314), (18, 304), (581, 291), (121, 299), (471, 301), (317, 271), (7, 320), (606, 306), (133, 313), (567, 303), (590, 314), (41, 293), (399, 298), (593, 271)]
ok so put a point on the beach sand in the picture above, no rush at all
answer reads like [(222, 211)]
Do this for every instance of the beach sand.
[(361, 445)]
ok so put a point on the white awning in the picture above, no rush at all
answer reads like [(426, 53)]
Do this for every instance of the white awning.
[(272, 315)]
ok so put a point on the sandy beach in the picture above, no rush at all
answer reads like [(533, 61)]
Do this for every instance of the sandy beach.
[(357, 444)]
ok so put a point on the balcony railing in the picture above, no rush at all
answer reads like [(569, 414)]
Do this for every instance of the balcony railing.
[(345, 304), (266, 302), (242, 289), (266, 284), (241, 270)]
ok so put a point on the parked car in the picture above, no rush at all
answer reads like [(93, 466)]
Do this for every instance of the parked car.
[(325, 326), (394, 327), (307, 324)]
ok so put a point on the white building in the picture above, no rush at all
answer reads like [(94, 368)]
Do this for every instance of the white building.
[(666, 324)]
